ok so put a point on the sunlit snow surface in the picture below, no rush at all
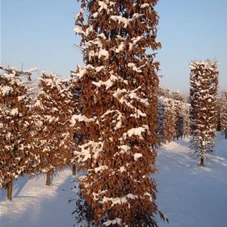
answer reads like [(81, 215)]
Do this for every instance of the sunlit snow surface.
[(189, 196), (36, 205)]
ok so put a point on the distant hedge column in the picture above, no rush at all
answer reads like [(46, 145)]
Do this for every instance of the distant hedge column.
[(223, 113), (160, 120), (53, 109), (16, 154), (203, 95), (117, 112), (186, 114), (169, 120)]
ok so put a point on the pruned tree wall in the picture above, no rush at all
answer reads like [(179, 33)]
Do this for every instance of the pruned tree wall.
[(160, 121), (173, 119), (169, 120), (203, 92), (117, 111), (186, 119), (223, 112), (16, 157), (52, 112)]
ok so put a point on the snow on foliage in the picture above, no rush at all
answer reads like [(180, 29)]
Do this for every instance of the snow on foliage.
[(85, 154), (203, 97), (112, 222), (135, 132), (16, 153), (116, 110), (5, 90), (53, 110), (223, 110), (210, 65), (79, 117), (137, 156), (173, 118)]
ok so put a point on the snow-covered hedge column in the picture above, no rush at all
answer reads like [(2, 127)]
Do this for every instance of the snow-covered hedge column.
[(173, 115), (53, 109), (116, 124), (16, 156), (160, 120), (169, 119), (186, 118), (182, 118), (179, 119), (173, 119), (223, 112), (203, 92)]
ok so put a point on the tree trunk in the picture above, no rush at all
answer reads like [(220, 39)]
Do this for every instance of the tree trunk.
[(48, 178), (10, 191), (225, 134), (202, 158), (74, 169), (201, 161)]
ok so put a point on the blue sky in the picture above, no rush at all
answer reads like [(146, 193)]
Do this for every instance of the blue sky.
[(40, 33)]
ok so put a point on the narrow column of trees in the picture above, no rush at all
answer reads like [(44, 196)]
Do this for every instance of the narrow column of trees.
[(16, 156), (169, 120), (223, 112), (116, 122), (179, 119), (173, 119), (52, 111), (203, 92), (186, 119), (160, 121)]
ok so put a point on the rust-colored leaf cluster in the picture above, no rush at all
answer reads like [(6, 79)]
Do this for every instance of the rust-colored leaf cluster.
[(52, 112), (16, 157), (117, 103), (203, 97)]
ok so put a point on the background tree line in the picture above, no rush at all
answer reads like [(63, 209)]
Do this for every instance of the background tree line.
[(35, 117), (36, 131)]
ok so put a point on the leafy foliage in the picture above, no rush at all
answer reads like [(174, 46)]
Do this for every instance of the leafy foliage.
[(223, 110), (203, 95), (16, 156), (117, 111), (52, 111)]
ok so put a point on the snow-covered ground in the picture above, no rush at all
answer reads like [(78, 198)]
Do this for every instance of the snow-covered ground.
[(37, 205), (190, 196)]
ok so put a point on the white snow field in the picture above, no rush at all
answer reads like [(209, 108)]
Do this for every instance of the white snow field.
[(190, 196)]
